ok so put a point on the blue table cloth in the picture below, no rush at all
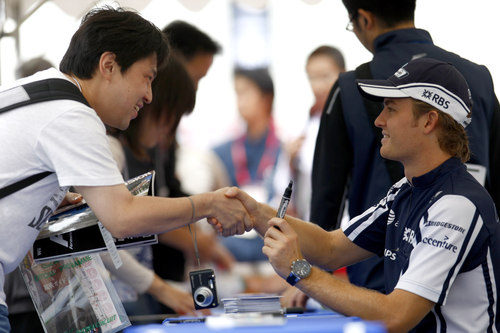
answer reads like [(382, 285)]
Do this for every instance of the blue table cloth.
[(319, 321)]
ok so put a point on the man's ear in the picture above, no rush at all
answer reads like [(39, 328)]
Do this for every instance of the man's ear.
[(107, 64), (366, 19), (431, 121)]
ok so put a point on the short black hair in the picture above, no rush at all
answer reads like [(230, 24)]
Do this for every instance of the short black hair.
[(259, 76), (391, 12), (124, 32), (331, 52), (189, 41)]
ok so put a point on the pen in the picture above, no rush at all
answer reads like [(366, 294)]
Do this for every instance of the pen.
[(187, 321), (285, 200)]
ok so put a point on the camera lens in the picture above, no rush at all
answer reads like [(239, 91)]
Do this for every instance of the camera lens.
[(203, 296)]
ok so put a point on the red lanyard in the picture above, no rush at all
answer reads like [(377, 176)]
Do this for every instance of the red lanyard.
[(239, 156)]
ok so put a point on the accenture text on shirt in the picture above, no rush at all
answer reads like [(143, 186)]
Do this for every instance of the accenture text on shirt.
[(443, 244)]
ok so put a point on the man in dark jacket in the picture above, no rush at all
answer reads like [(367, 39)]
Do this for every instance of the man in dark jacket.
[(347, 162)]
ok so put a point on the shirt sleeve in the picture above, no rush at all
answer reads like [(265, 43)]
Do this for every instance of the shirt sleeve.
[(117, 153), (447, 233), (75, 147), (368, 230), (332, 163)]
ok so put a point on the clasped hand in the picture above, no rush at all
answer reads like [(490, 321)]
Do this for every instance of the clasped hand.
[(281, 244), (229, 217)]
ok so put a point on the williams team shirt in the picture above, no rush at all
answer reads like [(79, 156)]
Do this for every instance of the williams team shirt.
[(440, 239)]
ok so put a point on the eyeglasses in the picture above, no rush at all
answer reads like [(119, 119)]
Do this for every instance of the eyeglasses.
[(350, 24)]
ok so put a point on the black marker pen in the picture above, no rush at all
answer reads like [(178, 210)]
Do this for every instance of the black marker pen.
[(285, 200)]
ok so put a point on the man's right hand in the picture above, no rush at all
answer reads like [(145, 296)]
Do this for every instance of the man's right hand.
[(229, 216), (259, 213)]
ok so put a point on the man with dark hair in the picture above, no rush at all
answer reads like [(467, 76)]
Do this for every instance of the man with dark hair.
[(195, 47), (436, 228), (392, 16), (52, 144), (196, 50), (97, 27), (347, 163)]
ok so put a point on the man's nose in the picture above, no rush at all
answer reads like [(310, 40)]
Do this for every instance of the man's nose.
[(380, 120)]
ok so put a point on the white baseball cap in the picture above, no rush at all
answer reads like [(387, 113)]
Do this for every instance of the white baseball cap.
[(428, 80)]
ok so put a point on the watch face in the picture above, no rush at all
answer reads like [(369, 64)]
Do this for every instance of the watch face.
[(301, 268)]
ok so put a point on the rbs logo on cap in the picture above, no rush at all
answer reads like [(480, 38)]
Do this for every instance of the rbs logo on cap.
[(435, 98)]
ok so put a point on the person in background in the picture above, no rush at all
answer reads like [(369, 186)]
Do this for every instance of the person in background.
[(437, 228), (347, 162), (251, 158), (134, 151), (323, 67), (175, 93), (195, 50), (193, 46), (112, 60), (32, 66)]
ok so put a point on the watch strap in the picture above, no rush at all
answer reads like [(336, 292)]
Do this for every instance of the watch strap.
[(292, 279)]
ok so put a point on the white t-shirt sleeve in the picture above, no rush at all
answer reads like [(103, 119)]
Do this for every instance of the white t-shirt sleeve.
[(446, 240), (118, 153), (75, 146)]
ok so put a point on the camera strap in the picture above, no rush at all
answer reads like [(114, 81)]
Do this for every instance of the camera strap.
[(193, 214), (196, 253)]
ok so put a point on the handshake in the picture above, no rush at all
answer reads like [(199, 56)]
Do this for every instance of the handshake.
[(233, 211)]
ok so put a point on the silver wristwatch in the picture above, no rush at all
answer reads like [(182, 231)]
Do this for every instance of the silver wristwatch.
[(300, 270)]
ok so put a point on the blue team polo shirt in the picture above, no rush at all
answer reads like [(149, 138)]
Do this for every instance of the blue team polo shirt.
[(440, 239)]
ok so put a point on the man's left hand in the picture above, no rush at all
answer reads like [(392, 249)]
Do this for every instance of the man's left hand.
[(281, 246)]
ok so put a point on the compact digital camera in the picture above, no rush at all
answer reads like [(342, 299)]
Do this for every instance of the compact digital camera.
[(203, 289)]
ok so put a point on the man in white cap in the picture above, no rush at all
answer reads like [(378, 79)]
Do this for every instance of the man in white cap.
[(437, 228), (348, 144)]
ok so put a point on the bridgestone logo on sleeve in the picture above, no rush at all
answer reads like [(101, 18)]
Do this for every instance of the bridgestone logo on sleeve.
[(447, 225)]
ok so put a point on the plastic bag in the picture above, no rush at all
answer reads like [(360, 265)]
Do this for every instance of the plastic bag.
[(74, 295)]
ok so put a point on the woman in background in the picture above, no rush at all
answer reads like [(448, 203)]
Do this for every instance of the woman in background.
[(323, 67), (134, 152), (138, 151)]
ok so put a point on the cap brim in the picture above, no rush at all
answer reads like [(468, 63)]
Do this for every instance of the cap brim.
[(377, 90)]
